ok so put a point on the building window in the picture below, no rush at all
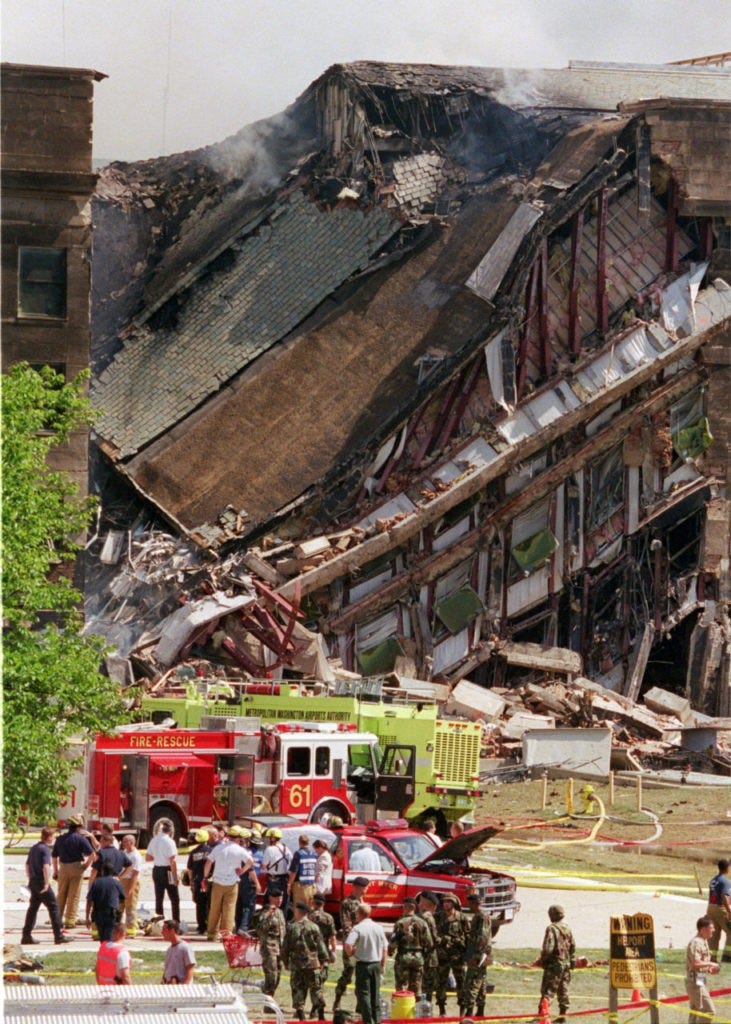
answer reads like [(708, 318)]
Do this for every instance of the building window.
[(41, 282), (607, 487)]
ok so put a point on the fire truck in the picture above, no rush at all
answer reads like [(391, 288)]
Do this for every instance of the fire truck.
[(138, 777), (446, 750)]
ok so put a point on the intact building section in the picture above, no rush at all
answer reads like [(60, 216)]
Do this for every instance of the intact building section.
[(47, 183)]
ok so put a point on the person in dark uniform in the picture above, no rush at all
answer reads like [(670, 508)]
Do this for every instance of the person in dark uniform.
[(109, 854), (104, 902), (249, 887), (196, 864), (38, 866), (72, 854)]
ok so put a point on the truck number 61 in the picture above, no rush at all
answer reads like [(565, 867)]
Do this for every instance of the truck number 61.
[(300, 796)]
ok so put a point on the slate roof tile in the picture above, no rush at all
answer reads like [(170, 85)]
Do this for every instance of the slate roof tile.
[(234, 315)]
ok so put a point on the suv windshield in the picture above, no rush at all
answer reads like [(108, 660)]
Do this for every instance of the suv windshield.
[(412, 849)]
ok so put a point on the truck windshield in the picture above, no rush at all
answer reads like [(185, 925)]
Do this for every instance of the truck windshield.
[(412, 850), (361, 755)]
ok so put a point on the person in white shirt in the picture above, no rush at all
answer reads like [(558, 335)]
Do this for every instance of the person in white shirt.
[(364, 858), (225, 865), (429, 827), (162, 851), (323, 868), (367, 942)]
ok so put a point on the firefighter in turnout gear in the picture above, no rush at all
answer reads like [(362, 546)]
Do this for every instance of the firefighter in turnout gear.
[(270, 928), (558, 958), (477, 957), (410, 942), (452, 932), (348, 920), (305, 955)]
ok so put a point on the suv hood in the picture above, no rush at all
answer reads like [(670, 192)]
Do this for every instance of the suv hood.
[(462, 846)]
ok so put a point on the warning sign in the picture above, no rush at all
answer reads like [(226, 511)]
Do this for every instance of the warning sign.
[(632, 951)]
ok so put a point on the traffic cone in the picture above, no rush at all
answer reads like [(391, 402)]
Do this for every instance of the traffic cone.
[(544, 1011), (636, 996)]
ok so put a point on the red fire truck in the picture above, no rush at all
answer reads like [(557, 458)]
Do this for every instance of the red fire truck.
[(140, 775)]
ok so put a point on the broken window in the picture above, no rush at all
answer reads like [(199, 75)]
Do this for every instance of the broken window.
[(607, 487), (532, 541), (606, 609), (456, 603), (689, 426), (41, 282), (373, 575), (377, 644), (500, 361), (460, 609)]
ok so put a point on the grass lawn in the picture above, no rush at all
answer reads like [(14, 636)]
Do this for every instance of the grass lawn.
[(680, 831), (516, 985)]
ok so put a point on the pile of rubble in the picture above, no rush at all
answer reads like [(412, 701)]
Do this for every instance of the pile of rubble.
[(663, 732), (176, 614)]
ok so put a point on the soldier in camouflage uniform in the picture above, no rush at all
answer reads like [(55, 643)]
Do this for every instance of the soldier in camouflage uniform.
[(558, 958), (326, 923), (348, 920), (477, 957), (270, 927), (426, 905), (452, 932), (305, 954), (411, 940)]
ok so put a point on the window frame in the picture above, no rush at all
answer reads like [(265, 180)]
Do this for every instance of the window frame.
[(60, 286)]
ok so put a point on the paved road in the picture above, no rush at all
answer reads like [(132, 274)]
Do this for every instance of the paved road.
[(588, 914)]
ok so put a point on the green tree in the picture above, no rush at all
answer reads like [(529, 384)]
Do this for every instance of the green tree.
[(52, 687)]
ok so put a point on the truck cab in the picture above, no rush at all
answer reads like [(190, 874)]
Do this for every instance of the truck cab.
[(399, 861)]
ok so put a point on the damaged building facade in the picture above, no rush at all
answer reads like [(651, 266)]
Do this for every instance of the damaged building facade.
[(437, 364)]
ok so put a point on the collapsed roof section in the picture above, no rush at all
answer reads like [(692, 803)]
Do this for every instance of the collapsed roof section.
[(483, 384)]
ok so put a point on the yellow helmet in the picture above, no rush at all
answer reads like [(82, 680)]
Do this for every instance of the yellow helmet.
[(274, 833)]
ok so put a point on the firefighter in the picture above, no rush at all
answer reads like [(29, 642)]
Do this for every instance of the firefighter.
[(427, 904), (348, 920), (410, 943), (305, 955), (477, 956), (452, 932), (270, 928), (249, 887), (275, 864), (558, 958), (196, 864)]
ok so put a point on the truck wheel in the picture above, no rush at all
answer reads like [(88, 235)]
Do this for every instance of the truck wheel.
[(327, 809), (171, 817), (495, 928)]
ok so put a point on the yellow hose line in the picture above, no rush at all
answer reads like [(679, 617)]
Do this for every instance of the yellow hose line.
[(532, 883)]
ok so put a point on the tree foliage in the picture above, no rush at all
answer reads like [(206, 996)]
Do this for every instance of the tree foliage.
[(52, 687)]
